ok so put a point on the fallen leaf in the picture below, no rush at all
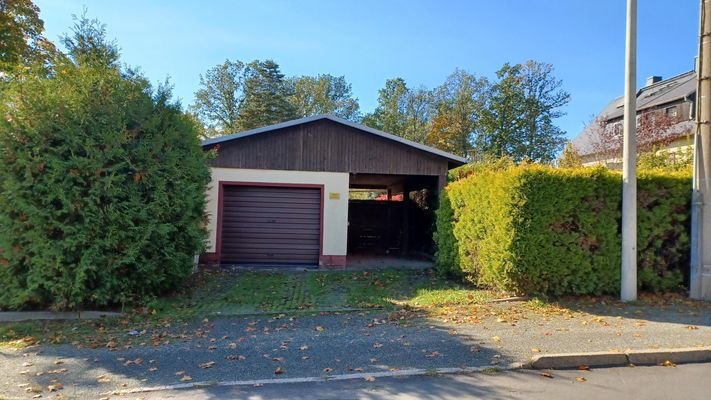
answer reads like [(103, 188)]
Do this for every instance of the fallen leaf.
[(279, 371), (328, 370), (536, 350), (180, 373), (232, 346), (152, 369), (27, 364), (207, 365), (103, 379), (212, 348), (584, 367), (547, 375), (496, 339), (320, 328), (370, 378), (668, 363), (186, 378), (377, 345), (580, 379), (58, 362), (304, 347), (55, 387), (692, 328), (57, 371), (235, 357)]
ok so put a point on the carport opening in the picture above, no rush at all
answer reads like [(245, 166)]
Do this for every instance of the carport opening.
[(391, 215)]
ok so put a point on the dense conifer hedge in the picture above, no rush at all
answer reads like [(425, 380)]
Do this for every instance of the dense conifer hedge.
[(103, 188), (541, 230)]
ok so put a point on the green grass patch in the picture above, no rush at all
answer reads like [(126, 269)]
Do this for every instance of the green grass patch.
[(460, 296)]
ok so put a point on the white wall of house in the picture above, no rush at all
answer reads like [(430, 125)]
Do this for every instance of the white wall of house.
[(335, 201)]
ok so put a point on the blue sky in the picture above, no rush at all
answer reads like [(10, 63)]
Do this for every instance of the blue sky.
[(370, 41)]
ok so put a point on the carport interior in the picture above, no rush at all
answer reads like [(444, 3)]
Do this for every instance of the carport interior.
[(391, 214)]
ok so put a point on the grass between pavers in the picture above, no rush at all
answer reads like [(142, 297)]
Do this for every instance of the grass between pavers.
[(277, 292), (215, 293)]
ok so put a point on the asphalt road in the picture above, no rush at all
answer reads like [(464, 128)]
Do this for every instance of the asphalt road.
[(690, 381), (321, 346)]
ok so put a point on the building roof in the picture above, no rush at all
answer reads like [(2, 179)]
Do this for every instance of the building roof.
[(657, 94), (363, 128)]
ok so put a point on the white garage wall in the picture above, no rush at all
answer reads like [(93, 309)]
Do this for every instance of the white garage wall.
[(335, 211)]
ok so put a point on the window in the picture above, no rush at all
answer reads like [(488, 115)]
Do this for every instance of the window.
[(671, 111)]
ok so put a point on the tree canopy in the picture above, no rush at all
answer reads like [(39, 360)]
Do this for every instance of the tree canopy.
[(266, 96), (512, 116), (219, 99), (324, 94), (21, 40), (517, 117)]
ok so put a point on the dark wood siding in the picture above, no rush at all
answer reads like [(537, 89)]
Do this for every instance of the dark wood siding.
[(271, 225), (327, 146)]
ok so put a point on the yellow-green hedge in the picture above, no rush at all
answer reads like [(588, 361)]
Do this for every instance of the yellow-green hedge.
[(541, 230)]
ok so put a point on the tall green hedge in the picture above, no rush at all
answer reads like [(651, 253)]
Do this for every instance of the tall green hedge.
[(103, 189), (541, 230)]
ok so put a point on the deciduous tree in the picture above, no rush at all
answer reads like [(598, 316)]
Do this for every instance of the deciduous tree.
[(219, 100), (324, 94), (21, 40), (402, 111), (457, 104), (518, 117)]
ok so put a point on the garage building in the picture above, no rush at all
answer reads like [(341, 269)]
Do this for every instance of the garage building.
[(313, 190)]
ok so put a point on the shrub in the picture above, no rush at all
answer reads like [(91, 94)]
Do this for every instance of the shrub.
[(103, 189), (541, 230)]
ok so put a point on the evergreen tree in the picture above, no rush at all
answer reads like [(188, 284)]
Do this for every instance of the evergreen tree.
[(104, 183), (267, 93)]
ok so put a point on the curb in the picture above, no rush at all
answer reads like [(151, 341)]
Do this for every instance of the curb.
[(19, 316), (327, 378), (620, 359)]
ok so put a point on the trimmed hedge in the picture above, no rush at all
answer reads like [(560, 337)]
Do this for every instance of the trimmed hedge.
[(541, 230)]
